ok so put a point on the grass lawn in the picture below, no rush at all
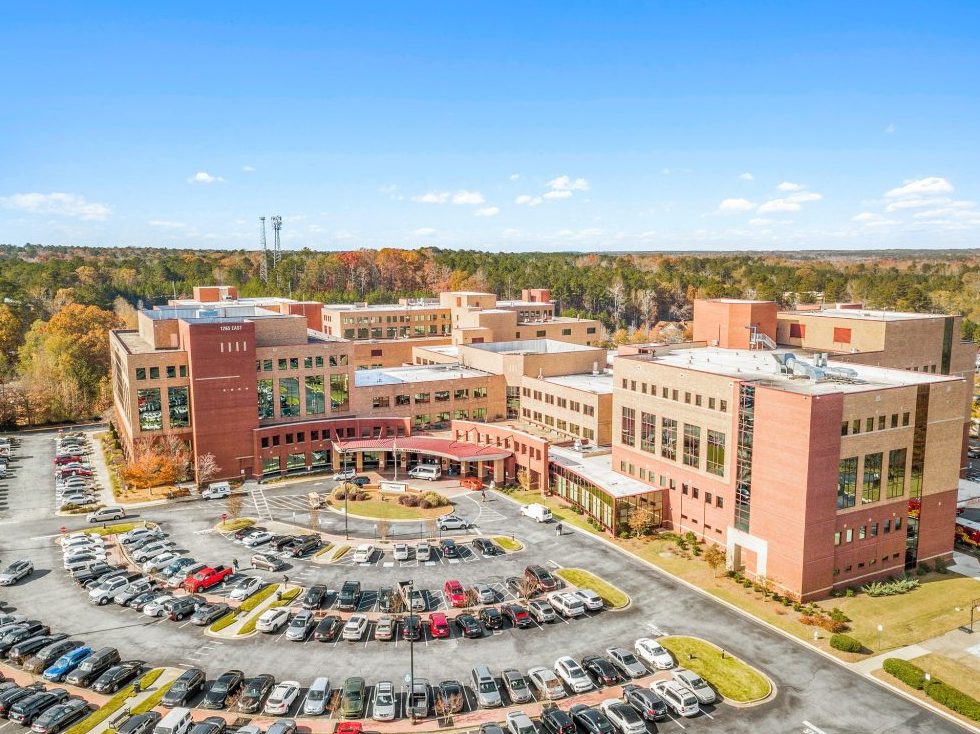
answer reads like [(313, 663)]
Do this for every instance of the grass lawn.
[(230, 526), (113, 705), (732, 678), (257, 598), (222, 622), (957, 674), (339, 553), (612, 597), (118, 528), (507, 543), (388, 509), (153, 700)]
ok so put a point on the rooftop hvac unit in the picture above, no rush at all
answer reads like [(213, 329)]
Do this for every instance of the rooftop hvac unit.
[(595, 368)]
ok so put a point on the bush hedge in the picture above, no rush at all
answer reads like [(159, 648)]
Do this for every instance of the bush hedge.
[(910, 674), (846, 643), (953, 699)]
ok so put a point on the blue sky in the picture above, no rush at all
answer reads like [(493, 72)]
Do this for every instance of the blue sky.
[(585, 126)]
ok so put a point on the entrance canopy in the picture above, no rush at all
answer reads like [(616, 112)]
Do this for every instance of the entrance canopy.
[(445, 448)]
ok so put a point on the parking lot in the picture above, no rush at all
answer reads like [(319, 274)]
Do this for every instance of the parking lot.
[(813, 692)]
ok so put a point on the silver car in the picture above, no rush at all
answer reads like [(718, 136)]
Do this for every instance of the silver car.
[(383, 708), (15, 572), (695, 684), (626, 662), (300, 626), (315, 702)]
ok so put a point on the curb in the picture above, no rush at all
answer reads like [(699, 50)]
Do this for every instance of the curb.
[(737, 704)]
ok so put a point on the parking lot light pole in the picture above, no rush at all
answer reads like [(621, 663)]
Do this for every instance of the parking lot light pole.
[(411, 653)]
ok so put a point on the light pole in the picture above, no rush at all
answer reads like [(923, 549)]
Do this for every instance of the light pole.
[(411, 654), (347, 485), (881, 628), (394, 451)]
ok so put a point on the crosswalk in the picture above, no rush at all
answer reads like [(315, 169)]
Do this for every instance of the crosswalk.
[(261, 503)]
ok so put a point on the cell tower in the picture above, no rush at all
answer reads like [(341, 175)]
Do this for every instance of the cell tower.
[(264, 263), (277, 247)]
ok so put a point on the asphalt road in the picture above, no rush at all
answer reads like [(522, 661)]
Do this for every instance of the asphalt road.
[(813, 693)]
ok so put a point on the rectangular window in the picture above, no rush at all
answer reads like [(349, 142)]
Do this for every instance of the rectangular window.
[(150, 409), (479, 414), (711, 403), (869, 425), (265, 399), (281, 364), (421, 397), (338, 360), (315, 397), (692, 445), (850, 537), (843, 428), (314, 435), (862, 532), (307, 363), (888, 526), (180, 415), (460, 414), (719, 502), (141, 373), (267, 365), (847, 482), (339, 392), (896, 472), (629, 426), (479, 392), (716, 453), (590, 330), (648, 432), (289, 397), (183, 370), (871, 486), (905, 416), (319, 361), (403, 400), (724, 406), (172, 372), (442, 396), (856, 426), (874, 530), (881, 423), (668, 438), (898, 524), (837, 538), (294, 363), (894, 420), (382, 401), (464, 394), (842, 335), (155, 374), (797, 331)]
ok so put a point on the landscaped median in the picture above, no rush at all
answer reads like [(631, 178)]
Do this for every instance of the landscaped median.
[(118, 528), (237, 523), (942, 693), (508, 543), (114, 704), (285, 598), (253, 606), (735, 680), (612, 597)]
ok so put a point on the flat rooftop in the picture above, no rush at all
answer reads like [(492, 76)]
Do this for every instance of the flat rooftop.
[(423, 306), (865, 314), (532, 346), (762, 367), (519, 304), (257, 301), (134, 343), (446, 350), (598, 470), (214, 312), (408, 375), (601, 384)]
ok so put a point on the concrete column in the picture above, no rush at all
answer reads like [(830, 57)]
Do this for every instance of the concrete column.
[(498, 469), (381, 460), (359, 461), (464, 468), (335, 458), (480, 471)]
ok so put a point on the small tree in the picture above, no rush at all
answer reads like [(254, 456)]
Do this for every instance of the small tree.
[(384, 529), (447, 705), (471, 598), (524, 480), (431, 527), (235, 504), (526, 588), (640, 521), (314, 520), (207, 468), (715, 557)]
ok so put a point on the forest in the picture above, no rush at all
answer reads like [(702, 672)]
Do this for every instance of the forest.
[(57, 303)]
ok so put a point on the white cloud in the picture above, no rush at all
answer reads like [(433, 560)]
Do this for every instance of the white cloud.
[(525, 200), (203, 177), (511, 232), (789, 186), (565, 183), (487, 211), (343, 234), (735, 205), (804, 196), (766, 222), (746, 176), (778, 205), (432, 197), (58, 203), (248, 169), (867, 217), (468, 197), (166, 224), (951, 212), (917, 203), (890, 128), (921, 187), (423, 231), (558, 194), (514, 176)]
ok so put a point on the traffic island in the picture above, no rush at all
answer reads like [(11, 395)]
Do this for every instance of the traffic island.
[(612, 597), (736, 681), (508, 543)]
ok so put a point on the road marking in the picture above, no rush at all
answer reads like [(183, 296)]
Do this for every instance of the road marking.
[(555, 565), (707, 714), (812, 729)]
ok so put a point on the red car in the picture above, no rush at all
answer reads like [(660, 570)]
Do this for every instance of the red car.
[(349, 727), (438, 625), (454, 593), (206, 578)]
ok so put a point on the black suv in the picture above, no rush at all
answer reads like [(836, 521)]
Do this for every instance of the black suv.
[(487, 547), (556, 721), (592, 721), (328, 628), (227, 684), (253, 696), (26, 710), (492, 618), (190, 682), (314, 597), (117, 676), (350, 596)]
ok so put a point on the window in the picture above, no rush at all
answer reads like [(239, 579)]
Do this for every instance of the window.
[(711, 403), (319, 361), (692, 445), (888, 526), (382, 401), (648, 432), (871, 486), (141, 373), (150, 410), (687, 397), (315, 399), (842, 335), (338, 360), (183, 370), (377, 352), (707, 498), (869, 425), (172, 372), (265, 399), (856, 426), (403, 400), (850, 537), (155, 374), (460, 414), (695, 492), (896, 472), (540, 333), (307, 363), (442, 396), (724, 406), (668, 438), (289, 396), (590, 330), (282, 364), (265, 442), (566, 332), (874, 530), (843, 428), (898, 524), (905, 416), (588, 409), (267, 365), (716, 453), (894, 420), (180, 416), (837, 538), (797, 331), (881, 423), (862, 532), (314, 435), (479, 392), (421, 397), (339, 392), (846, 482), (479, 414), (719, 502), (294, 363), (464, 394), (629, 426)]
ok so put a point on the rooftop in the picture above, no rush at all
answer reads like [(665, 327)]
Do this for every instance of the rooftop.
[(519, 304), (598, 470), (133, 342), (408, 375), (213, 312), (194, 303), (866, 314), (418, 306), (763, 367), (531, 346), (601, 384)]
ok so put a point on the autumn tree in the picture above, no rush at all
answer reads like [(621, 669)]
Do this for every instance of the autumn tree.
[(524, 479), (235, 504), (714, 555), (157, 463), (640, 520), (207, 468)]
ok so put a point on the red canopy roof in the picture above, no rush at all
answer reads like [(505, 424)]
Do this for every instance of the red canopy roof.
[(445, 447)]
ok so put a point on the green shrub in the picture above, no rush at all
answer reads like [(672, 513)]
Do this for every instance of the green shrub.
[(222, 622), (838, 616), (923, 569), (953, 699), (845, 643), (910, 674), (434, 499), (257, 598), (891, 587), (849, 592), (941, 566)]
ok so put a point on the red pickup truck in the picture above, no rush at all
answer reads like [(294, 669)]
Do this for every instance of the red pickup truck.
[(206, 578)]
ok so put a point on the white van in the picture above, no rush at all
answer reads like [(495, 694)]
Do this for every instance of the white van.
[(425, 471), (107, 513), (217, 491), (538, 513), (177, 721)]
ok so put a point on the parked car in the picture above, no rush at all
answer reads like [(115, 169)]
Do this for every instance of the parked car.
[(350, 596), (423, 552), (452, 522), (315, 702), (66, 663), (352, 698), (469, 626), (328, 628), (624, 717), (653, 653), (400, 551), (178, 578), (567, 605), (117, 676), (272, 620), (16, 571), (695, 684), (157, 606), (572, 674), (592, 601), (225, 686), (187, 684), (454, 593), (254, 693), (591, 720), (520, 723), (140, 723), (183, 607), (541, 611), (487, 548), (363, 553), (256, 539), (281, 698), (242, 533), (162, 561), (345, 475), (300, 625), (152, 550), (217, 491), (517, 615), (645, 700), (209, 613), (449, 697), (678, 698), (438, 625), (93, 666), (556, 721), (28, 709), (245, 587), (449, 548), (541, 577), (412, 628), (420, 699), (47, 655), (516, 686), (10, 698), (61, 716), (546, 683), (355, 628), (384, 628), (25, 649), (491, 618), (384, 705), (314, 597), (207, 578), (267, 562), (485, 594), (602, 672)]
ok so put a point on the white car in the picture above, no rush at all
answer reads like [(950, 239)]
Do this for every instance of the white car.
[(355, 628), (216, 492), (486, 594), (76, 541), (82, 559), (680, 700), (363, 553), (15, 572), (245, 588), (591, 600), (152, 550), (401, 552), (103, 593), (272, 620), (160, 562), (624, 717), (573, 674), (315, 702), (137, 533), (423, 552), (520, 723), (452, 522), (92, 548), (257, 539), (695, 684), (383, 708), (548, 684), (155, 607), (652, 652), (178, 578), (567, 605), (281, 698), (345, 475)]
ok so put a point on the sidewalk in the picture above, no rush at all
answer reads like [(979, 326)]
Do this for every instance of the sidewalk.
[(168, 675)]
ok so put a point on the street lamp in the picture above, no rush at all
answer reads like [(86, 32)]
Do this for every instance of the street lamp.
[(881, 628), (411, 652)]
